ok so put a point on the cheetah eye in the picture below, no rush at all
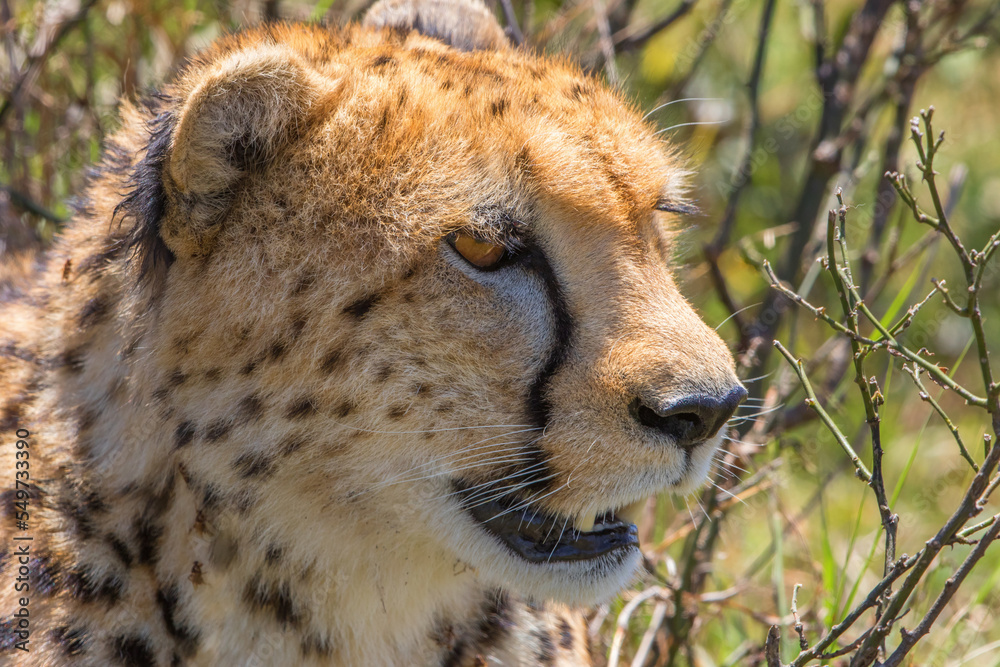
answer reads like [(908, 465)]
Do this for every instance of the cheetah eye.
[(479, 253)]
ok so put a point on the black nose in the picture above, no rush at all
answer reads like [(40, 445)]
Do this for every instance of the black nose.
[(690, 419)]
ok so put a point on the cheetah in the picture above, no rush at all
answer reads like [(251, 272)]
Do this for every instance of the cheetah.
[(362, 348)]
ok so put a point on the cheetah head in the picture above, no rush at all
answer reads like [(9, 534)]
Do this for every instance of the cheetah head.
[(421, 304)]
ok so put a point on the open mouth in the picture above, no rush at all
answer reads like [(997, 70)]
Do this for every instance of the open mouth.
[(539, 537)]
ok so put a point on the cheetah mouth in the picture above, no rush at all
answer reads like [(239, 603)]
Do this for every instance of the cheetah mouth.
[(540, 537)]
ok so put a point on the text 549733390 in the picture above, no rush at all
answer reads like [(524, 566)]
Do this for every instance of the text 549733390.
[(22, 540)]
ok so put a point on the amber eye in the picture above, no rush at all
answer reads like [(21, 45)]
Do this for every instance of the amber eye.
[(481, 254)]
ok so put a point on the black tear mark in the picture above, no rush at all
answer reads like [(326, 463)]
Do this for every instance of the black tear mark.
[(538, 404)]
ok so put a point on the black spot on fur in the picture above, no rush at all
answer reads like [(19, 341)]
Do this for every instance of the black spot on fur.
[(211, 497), (89, 588), (496, 621), (292, 444), (86, 419), (166, 599), (301, 408), (578, 91), (72, 641), (10, 415), (331, 361), (184, 434), (384, 372), (121, 550), (132, 651), (275, 599), (524, 163), (96, 263), (565, 634), (213, 374), (177, 378), (93, 312), (147, 536), (253, 465), (217, 430), (72, 360), (397, 411), (8, 634), (249, 367), (344, 409), (273, 554), (498, 108), (303, 283), (277, 350), (250, 408), (313, 645), (545, 653), (382, 61), (45, 575), (360, 308), (298, 324), (146, 203)]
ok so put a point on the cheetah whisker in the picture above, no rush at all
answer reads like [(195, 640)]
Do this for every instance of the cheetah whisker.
[(558, 539), (697, 122), (684, 99), (758, 378), (728, 493), (741, 310)]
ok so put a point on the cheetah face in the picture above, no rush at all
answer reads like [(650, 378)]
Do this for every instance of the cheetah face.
[(447, 276), (547, 508)]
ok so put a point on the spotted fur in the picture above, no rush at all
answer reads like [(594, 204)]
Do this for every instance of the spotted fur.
[(254, 371)]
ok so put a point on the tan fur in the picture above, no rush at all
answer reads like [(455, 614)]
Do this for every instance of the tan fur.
[(246, 413)]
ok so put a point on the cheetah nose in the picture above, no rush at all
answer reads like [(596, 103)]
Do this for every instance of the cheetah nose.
[(688, 420)]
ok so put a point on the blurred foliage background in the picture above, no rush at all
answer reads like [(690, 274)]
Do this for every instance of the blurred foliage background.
[(771, 133)]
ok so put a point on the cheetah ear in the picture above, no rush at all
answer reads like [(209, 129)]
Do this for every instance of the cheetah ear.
[(466, 25), (247, 108)]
